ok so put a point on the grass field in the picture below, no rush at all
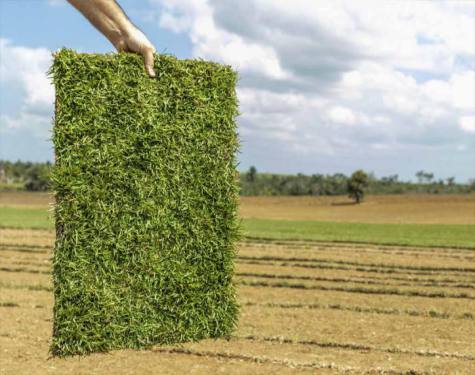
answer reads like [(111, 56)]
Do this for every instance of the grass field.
[(461, 235), (401, 220), (317, 293), (401, 234), (387, 209)]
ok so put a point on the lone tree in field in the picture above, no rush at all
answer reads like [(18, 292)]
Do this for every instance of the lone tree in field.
[(252, 174), (357, 184)]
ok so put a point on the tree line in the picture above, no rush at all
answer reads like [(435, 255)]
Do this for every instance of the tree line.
[(255, 183), (22, 175), (31, 176)]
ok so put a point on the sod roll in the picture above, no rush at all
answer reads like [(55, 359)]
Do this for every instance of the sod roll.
[(146, 199)]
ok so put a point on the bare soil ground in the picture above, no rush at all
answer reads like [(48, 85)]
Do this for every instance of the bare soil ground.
[(338, 308)]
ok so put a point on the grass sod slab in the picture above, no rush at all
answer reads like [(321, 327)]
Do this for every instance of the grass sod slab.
[(146, 202)]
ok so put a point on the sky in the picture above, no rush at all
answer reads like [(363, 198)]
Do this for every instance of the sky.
[(324, 86)]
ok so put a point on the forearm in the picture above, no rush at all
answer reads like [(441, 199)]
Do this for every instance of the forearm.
[(106, 16)]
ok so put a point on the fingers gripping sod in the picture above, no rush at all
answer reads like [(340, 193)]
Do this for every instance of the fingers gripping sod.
[(148, 59), (136, 41)]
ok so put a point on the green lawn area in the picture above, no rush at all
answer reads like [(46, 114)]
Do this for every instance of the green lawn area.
[(34, 218), (394, 234)]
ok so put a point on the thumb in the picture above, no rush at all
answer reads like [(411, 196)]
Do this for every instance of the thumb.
[(148, 60)]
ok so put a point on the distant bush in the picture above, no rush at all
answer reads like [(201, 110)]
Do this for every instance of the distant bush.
[(38, 177), (146, 189), (24, 175)]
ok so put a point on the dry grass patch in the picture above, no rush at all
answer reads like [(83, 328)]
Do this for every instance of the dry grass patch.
[(27, 237), (26, 199), (417, 208)]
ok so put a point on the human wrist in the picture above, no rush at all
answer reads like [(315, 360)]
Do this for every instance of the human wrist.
[(127, 29)]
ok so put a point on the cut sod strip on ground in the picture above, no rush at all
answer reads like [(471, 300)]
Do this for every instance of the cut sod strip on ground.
[(146, 197)]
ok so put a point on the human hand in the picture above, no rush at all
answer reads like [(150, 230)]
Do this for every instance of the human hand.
[(108, 17), (134, 40)]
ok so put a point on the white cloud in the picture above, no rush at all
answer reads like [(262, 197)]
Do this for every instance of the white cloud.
[(421, 35), (196, 17), (264, 101), (463, 90), (26, 68), (398, 73), (467, 123), (341, 115), (37, 125)]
